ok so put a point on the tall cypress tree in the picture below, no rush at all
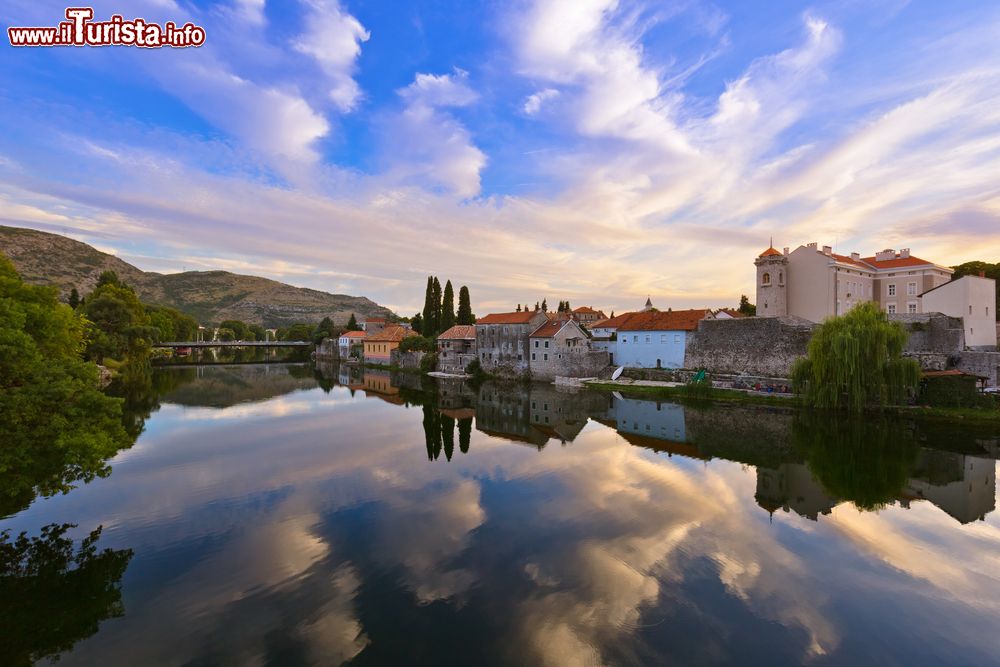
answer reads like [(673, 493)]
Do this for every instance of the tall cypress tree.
[(448, 307), (436, 307), (428, 315), (464, 307), (74, 298)]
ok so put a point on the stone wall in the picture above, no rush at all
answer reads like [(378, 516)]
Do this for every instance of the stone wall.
[(580, 364), (454, 362), (760, 346), (407, 359), (984, 364), (327, 349)]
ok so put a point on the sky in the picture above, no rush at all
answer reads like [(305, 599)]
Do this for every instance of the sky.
[(598, 151)]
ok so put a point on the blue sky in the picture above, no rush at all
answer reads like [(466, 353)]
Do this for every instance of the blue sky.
[(588, 149)]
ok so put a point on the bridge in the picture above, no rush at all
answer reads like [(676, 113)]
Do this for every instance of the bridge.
[(234, 343)]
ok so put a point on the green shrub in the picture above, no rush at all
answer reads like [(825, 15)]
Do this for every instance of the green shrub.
[(428, 362)]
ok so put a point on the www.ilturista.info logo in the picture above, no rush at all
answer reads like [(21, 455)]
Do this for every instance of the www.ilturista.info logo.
[(81, 30)]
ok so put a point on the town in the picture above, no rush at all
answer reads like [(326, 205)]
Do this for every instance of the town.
[(951, 323)]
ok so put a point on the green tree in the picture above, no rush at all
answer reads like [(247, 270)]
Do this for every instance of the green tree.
[(435, 308), (74, 299), (447, 435), (464, 315), (545, 306), (239, 329), (302, 332), (855, 362), (56, 426), (417, 322), (352, 324), (119, 320), (746, 307), (428, 312), (324, 330), (226, 335), (259, 333), (447, 307)]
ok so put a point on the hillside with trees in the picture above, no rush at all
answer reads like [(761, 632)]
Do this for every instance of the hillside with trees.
[(208, 296)]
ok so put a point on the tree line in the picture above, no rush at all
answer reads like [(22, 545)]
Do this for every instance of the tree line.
[(439, 312)]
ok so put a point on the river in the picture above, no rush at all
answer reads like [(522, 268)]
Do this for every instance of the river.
[(286, 515)]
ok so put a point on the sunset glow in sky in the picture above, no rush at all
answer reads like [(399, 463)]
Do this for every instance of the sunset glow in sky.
[(590, 150)]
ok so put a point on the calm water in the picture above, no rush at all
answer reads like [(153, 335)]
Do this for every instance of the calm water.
[(271, 514)]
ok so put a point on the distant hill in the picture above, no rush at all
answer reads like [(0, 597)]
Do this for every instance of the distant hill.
[(209, 296)]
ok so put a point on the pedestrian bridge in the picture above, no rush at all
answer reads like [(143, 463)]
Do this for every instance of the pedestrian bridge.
[(234, 343)]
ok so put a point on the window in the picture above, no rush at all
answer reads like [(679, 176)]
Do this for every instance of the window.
[(892, 289), (781, 277), (536, 343), (677, 338), (891, 309), (635, 339), (624, 340), (663, 338), (911, 289), (970, 309), (545, 357), (911, 307), (648, 339), (532, 356), (765, 279), (546, 343)]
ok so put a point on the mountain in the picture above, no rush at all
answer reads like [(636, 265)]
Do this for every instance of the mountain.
[(208, 296)]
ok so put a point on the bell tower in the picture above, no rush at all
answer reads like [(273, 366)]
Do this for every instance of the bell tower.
[(772, 283)]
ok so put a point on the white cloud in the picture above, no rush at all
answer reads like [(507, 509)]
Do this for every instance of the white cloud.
[(533, 104), (333, 38)]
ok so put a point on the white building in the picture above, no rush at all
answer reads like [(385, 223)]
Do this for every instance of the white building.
[(973, 298), (815, 283)]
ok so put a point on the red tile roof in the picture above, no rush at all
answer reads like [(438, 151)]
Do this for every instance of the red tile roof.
[(896, 263), (853, 262), (770, 252), (391, 334), (587, 310), (551, 328), (670, 320), (612, 322), (732, 312), (353, 334), (459, 332), (508, 318)]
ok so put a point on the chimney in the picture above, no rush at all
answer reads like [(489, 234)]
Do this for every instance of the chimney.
[(827, 250), (855, 256), (786, 252), (904, 253), (811, 245), (885, 255)]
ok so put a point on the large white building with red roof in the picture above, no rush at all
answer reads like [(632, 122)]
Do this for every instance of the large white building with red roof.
[(815, 283)]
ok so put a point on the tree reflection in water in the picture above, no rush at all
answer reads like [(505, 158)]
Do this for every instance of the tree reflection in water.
[(52, 595), (866, 461)]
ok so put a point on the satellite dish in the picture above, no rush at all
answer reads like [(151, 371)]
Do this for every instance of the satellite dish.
[(618, 373)]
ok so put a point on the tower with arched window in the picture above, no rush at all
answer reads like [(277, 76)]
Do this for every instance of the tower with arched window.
[(772, 281)]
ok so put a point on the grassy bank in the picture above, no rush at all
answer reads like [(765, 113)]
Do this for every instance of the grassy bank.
[(700, 394)]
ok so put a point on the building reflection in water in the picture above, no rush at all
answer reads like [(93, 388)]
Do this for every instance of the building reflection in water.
[(960, 484)]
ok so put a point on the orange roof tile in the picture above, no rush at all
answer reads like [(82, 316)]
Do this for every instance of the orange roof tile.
[(670, 320), (612, 322), (508, 318), (391, 334), (587, 310), (549, 329), (459, 332), (770, 252), (353, 334), (897, 263), (849, 260)]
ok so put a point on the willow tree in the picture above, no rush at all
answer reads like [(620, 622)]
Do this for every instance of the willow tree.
[(855, 362)]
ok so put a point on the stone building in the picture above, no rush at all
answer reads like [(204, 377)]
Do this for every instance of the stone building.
[(562, 348), (380, 347), (349, 341), (502, 340), (815, 283), (587, 315), (456, 348)]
